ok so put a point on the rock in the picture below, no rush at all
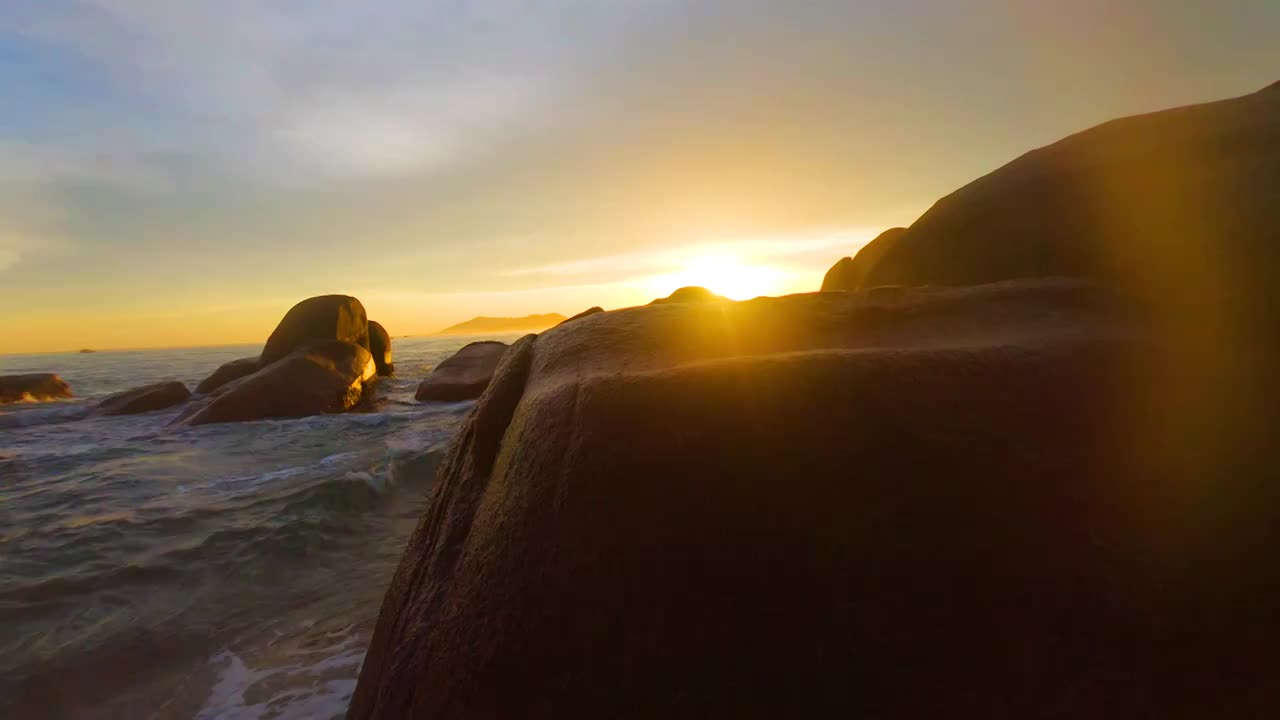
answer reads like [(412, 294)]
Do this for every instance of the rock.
[(585, 313), (325, 377), (959, 501), (1181, 201), (233, 370), (850, 273), (35, 387), (328, 317), (380, 348), (463, 376), (147, 398), (690, 295), (86, 351)]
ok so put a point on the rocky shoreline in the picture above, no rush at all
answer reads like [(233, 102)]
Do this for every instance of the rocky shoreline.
[(1023, 495)]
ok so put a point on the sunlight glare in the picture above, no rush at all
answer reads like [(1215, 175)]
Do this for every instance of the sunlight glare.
[(725, 275)]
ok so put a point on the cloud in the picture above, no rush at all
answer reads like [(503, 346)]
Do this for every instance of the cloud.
[(19, 247), (281, 91), (402, 130)]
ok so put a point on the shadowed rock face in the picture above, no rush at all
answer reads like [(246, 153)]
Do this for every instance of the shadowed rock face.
[(34, 387), (465, 375), (380, 348), (690, 294), (327, 317), (324, 377), (1183, 200), (233, 370), (851, 273), (966, 502), (148, 398)]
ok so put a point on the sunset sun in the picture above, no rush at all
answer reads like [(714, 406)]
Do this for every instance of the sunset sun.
[(726, 275)]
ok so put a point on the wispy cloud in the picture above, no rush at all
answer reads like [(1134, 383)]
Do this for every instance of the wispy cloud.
[(286, 90), (16, 246), (409, 129)]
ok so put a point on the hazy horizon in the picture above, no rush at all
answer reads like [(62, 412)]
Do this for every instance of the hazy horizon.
[(180, 174)]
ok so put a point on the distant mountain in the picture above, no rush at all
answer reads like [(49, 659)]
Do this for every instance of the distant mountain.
[(492, 325)]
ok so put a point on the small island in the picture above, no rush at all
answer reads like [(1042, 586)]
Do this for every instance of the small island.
[(490, 325)]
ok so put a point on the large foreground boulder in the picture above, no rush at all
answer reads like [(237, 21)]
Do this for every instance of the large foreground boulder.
[(34, 387), (324, 377), (380, 348), (1014, 500), (464, 375), (327, 317), (227, 372), (147, 398)]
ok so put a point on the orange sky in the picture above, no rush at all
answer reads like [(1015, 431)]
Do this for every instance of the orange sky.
[(180, 174)]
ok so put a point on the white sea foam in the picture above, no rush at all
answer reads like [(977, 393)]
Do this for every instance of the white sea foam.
[(308, 693)]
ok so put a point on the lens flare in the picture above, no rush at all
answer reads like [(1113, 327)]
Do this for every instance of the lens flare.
[(726, 275)]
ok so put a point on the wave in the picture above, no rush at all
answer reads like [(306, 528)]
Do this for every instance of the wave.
[(200, 571), (253, 524), (32, 417)]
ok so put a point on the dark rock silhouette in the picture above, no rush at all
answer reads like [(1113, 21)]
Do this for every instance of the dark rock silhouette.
[(492, 325), (851, 273), (835, 500), (1180, 198), (585, 313), (233, 370), (380, 348), (327, 317), (463, 376), (324, 377), (314, 362), (147, 398), (873, 487), (34, 387), (690, 295)]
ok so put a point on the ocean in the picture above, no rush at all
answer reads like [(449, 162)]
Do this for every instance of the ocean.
[(221, 571)]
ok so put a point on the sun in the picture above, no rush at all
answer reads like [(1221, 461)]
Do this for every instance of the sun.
[(722, 274)]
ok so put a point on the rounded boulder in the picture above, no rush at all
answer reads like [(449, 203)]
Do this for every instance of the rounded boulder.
[(233, 370), (465, 375), (147, 398), (324, 377), (327, 317), (34, 387), (380, 348)]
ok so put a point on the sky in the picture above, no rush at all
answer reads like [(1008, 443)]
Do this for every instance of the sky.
[(179, 173)]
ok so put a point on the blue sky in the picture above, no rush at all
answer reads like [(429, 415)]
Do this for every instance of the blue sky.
[(187, 170)]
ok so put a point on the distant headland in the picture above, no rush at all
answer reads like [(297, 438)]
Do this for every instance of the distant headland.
[(488, 325)]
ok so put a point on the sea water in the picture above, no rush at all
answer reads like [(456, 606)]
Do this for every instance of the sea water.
[(219, 571)]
